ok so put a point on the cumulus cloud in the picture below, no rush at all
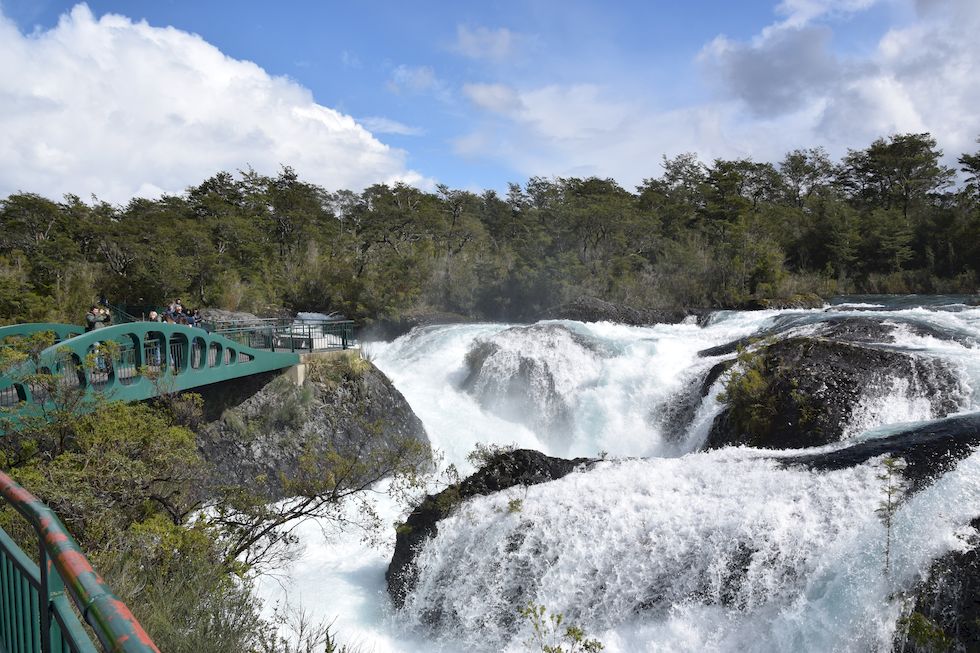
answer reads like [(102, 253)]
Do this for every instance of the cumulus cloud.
[(920, 77), (779, 73), (117, 108), (782, 89), (485, 43)]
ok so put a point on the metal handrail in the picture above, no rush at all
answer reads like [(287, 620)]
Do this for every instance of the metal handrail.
[(62, 565), (288, 334)]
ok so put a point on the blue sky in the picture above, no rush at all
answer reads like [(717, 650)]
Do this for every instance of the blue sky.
[(469, 94)]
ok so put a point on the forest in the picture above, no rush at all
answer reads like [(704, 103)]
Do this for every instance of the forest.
[(890, 218)]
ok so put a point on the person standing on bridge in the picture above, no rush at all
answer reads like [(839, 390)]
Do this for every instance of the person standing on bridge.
[(96, 318)]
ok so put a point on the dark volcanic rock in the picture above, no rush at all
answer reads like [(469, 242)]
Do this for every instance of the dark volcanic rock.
[(268, 431), (846, 329), (592, 309), (949, 599), (677, 413), (802, 392), (504, 470), (728, 347), (929, 450)]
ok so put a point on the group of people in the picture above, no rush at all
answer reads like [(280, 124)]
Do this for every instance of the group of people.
[(100, 316), (176, 314)]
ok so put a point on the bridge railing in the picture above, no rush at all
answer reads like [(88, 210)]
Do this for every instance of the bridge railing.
[(296, 335), (136, 361), (35, 613)]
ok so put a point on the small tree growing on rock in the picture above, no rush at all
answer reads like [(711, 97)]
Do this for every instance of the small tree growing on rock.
[(894, 489)]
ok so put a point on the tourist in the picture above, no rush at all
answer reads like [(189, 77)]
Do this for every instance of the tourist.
[(96, 318)]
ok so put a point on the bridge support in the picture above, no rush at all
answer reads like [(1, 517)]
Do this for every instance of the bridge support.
[(297, 373)]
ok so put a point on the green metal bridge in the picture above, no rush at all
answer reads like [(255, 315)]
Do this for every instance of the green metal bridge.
[(132, 361)]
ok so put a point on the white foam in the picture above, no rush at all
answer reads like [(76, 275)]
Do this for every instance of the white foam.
[(819, 589), (720, 551)]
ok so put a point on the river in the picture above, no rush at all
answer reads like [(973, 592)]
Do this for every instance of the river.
[(639, 550)]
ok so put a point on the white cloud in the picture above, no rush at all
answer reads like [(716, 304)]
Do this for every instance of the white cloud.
[(783, 89), (382, 125), (485, 43), (920, 77), (117, 108), (801, 12), (417, 79), (498, 98)]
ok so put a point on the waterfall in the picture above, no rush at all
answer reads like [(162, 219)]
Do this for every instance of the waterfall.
[(661, 547)]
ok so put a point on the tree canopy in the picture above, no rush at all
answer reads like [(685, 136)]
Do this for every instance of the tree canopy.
[(886, 218)]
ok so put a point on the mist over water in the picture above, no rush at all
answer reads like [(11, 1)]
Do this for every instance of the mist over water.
[(660, 548)]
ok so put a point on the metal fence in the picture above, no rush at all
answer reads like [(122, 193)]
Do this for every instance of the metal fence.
[(35, 613), (289, 335)]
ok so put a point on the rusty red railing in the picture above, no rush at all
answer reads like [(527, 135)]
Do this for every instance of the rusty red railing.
[(35, 615)]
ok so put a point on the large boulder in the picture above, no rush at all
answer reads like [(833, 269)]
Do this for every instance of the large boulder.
[(527, 374), (929, 450), (271, 436), (503, 470), (808, 391), (592, 309), (945, 607)]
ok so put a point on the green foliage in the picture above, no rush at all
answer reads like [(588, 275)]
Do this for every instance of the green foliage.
[(515, 505), (748, 394), (924, 633), (484, 453), (337, 369), (550, 633), (701, 234), (894, 487)]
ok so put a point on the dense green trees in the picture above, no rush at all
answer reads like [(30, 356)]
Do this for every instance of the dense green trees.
[(886, 218)]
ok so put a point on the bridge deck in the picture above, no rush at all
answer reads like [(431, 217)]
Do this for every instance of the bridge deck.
[(139, 360)]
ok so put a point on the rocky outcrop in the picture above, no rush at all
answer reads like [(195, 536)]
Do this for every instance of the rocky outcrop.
[(804, 391), (524, 374), (272, 436), (929, 450), (503, 470), (213, 315), (592, 309), (945, 611)]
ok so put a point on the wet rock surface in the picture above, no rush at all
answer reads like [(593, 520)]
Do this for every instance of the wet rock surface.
[(523, 374), (929, 450), (504, 470), (592, 309), (264, 432), (947, 603), (803, 392)]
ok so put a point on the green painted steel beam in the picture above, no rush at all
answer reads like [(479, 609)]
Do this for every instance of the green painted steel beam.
[(61, 331), (179, 357)]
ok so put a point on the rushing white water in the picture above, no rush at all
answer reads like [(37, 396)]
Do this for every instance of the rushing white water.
[(680, 551)]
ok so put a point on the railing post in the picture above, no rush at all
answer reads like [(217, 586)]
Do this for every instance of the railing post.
[(51, 586), (44, 597)]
